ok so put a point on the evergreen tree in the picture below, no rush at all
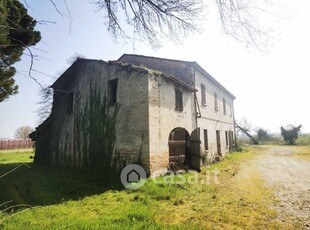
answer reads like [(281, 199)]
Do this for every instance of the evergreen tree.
[(16, 34), (262, 134), (290, 134)]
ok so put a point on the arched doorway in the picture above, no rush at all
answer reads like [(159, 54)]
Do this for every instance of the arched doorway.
[(178, 148)]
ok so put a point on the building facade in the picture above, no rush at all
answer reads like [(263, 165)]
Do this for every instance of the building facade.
[(166, 114)]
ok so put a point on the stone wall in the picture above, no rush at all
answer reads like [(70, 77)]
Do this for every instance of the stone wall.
[(211, 119), (146, 117), (74, 134), (132, 141), (164, 117)]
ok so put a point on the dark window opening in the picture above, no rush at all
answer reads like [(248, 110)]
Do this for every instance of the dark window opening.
[(216, 105), (112, 89), (206, 142), (224, 106), (226, 137), (203, 94), (218, 142), (178, 100)]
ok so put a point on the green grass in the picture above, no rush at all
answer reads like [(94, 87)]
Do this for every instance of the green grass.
[(302, 152), (16, 156), (303, 140), (76, 200)]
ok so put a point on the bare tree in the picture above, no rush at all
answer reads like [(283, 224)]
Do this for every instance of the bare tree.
[(46, 94), (244, 20), (171, 18), (245, 124), (23, 132), (249, 21), (45, 104), (175, 19), (153, 19), (245, 127), (245, 131)]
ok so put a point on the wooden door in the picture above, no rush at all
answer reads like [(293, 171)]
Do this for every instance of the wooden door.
[(218, 142), (177, 148), (195, 150)]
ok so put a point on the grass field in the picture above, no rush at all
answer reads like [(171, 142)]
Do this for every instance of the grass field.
[(77, 200), (16, 156), (303, 152), (303, 140)]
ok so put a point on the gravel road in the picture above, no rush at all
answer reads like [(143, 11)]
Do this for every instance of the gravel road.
[(290, 178)]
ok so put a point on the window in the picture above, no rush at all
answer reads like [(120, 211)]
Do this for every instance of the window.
[(232, 140), (203, 94), (216, 105), (224, 106), (205, 134), (226, 137), (112, 91), (218, 142), (69, 103), (178, 100), (230, 109)]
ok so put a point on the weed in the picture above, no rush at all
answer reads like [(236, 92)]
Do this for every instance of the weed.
[(76, 200)]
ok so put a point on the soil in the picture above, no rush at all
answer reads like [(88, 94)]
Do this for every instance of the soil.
[(290, 178)]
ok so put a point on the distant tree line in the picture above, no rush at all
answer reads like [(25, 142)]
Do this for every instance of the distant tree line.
[(290, 134), (16, 144)]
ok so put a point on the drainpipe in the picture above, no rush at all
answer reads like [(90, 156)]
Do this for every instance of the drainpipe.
[(195, 98), (235, 134)]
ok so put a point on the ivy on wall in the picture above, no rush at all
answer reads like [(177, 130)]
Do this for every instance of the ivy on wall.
[(94, 133)]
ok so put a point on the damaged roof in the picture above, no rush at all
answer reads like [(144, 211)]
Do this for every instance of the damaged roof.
[(183, 70)]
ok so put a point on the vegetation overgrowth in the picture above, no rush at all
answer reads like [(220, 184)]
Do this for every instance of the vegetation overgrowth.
[(62, 198)]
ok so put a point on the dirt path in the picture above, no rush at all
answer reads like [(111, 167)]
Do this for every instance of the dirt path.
[(290, 177)]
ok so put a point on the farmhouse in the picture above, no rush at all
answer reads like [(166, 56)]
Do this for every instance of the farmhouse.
[(157, 112)]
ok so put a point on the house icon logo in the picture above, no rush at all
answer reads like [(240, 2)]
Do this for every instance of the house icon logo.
[(133, 176)]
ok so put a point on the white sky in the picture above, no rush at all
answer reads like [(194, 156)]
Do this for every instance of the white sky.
[(271, 90)]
